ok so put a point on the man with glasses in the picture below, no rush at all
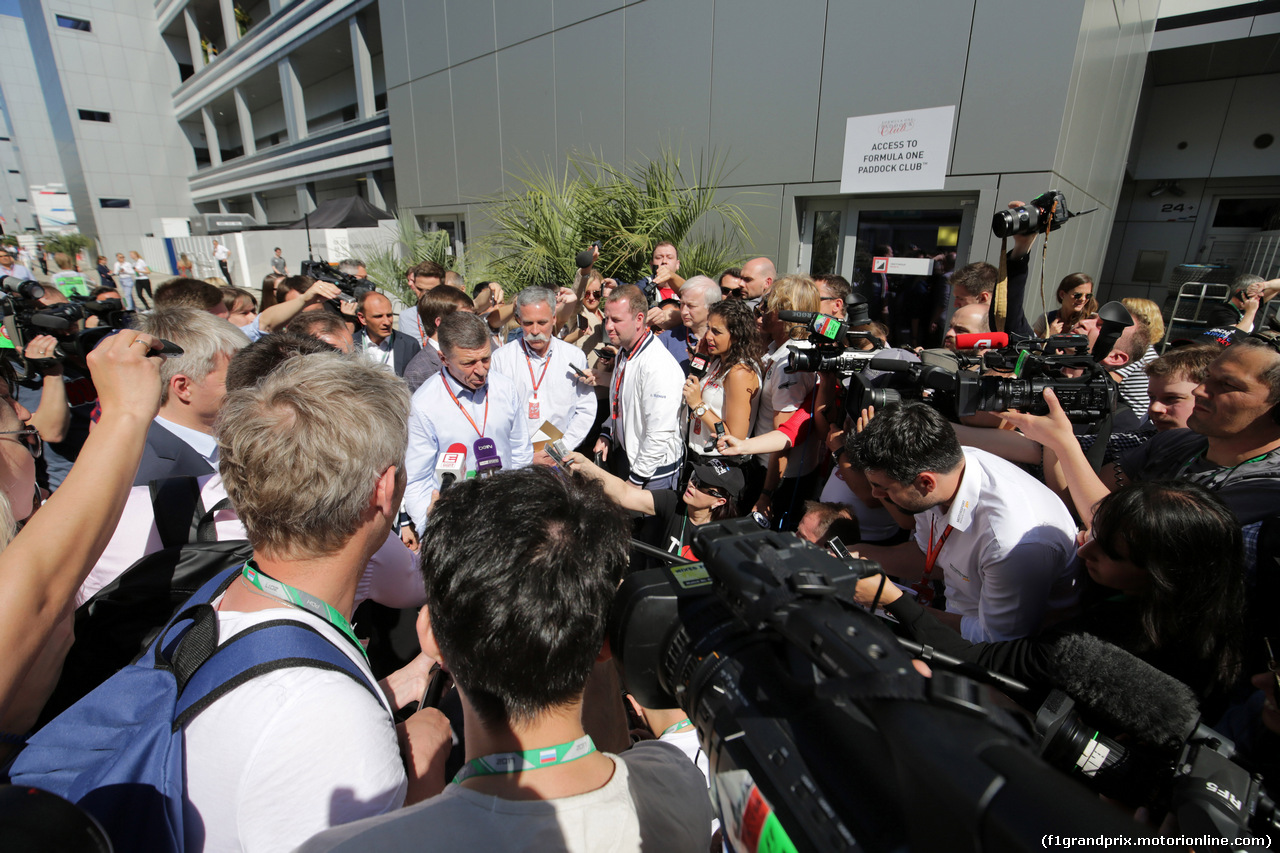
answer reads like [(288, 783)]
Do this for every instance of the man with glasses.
[(731, 283), (10, 267), (1231, 445), (834, 291)]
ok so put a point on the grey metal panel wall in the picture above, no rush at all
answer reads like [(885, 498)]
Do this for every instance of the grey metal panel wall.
[(590, 113), (436, 142), (528, 103), (519, 20), (477, 127), (1015, 85), (395, 39), (572, 11), (400, 111), (767, 53), (427, 38), (668, 76), (471, 29), (879, 58)]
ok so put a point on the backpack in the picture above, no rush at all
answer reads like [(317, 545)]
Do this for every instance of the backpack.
[(119, 753), (117, 624)]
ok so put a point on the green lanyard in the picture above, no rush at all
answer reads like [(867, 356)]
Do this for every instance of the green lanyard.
[(302, 600), (530, 759), (676, 727)]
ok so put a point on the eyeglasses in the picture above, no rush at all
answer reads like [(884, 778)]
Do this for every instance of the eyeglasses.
[(1082, 297), (730, 293), (594, 294), (28, 437), (707, 490), (828, 298)]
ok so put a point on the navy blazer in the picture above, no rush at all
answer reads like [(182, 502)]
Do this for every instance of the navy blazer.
[(166, 455), (403, 349)]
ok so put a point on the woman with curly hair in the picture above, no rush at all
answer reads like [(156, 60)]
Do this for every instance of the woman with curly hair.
[(729, 391)]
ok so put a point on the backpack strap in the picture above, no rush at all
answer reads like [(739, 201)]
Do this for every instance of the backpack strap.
[(255, 651)]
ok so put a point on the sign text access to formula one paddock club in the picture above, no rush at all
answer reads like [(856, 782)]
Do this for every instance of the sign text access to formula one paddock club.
[(897, 152)]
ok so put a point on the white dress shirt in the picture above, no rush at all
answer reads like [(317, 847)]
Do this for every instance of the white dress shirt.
[(782, 392), (201, 442), (436, 421), (570, 405), (1010, 558)]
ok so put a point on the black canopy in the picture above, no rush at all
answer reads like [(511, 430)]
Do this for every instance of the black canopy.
[(352, 212)]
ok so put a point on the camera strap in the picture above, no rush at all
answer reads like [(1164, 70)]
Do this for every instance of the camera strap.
[(1096, 453), (1000, 296)]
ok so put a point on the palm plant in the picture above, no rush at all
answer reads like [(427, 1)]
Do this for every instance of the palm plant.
[(535, 234), (388, 262)]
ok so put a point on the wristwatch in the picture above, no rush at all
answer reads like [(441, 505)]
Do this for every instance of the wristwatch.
[(700, 411)]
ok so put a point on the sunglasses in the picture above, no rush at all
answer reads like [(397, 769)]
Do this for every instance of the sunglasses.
[(595, 294), (28, 437), (1082, 297)]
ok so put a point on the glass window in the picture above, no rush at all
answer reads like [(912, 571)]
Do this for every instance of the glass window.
[(71, 23), (114, 202), (94, 115), (826, 242)]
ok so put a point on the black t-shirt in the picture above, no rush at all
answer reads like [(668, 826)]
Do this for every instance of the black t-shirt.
[(1223, 314), (670, 528), (1251, 489)]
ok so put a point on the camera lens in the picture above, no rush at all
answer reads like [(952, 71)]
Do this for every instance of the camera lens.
[(1015, 221)]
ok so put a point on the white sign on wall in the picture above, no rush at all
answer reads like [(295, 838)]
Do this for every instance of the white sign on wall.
[(896, 152), (903, 266)]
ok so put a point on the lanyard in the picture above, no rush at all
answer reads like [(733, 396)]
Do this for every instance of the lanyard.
[(676, 727), (302, 600), (924, 590), (530, 759), (422, 333), (528, 361), (479, 429), (622, 369)]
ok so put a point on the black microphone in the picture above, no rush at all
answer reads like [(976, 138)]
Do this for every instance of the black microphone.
[(1123, 690), (1114, 318)]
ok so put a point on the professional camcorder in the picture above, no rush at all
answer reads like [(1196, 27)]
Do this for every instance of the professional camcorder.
[(819, 731), (350, 286), (1035, 364), (830, 339), (24, 318), (1046, 212)]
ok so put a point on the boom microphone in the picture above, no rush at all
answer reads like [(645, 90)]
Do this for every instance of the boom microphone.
[(982, 340), (451, 465), (1127, 692)]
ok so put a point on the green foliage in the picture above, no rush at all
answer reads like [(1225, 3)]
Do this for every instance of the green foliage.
[(388, 262), (535, 235), (70, 243)]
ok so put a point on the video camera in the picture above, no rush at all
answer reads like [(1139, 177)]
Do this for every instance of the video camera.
[(830, 339), (1046, 212), (1036, 364), (352, 288), (1196, 778), (814, 721), (24, 318)]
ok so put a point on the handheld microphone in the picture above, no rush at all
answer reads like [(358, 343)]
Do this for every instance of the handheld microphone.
[(487, 461), (982, 340), (586, 256), (451, 465), (698, 365), (1113, 318)]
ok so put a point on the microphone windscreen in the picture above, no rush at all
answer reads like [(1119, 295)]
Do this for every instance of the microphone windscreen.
[(1113, 685)]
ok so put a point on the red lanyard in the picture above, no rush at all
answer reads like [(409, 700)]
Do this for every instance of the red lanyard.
[(924, 590), (479, 430), (536, 382), (422, 334), (622, 368)]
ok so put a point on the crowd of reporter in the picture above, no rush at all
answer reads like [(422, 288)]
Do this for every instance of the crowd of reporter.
[(341, 442)]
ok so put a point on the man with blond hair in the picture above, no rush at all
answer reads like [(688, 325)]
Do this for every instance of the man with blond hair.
[(180, 441)]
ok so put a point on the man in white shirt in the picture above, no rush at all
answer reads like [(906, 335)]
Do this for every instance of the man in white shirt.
[(641, 437), (463, 404), (542, 366), (221, 254), (311, 459), (378, 340), (1001, 540), (10, 267), (180, 441)]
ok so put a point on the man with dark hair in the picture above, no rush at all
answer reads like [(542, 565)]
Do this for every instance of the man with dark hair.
[(640, 439), (323, 326), (258, 359), (279, 266), (222, 254), (731, 284), (1248, 294), (974, 283), (1004, 542), (661, 286), (463, 404), (191, 292), (433, 306), (818, 517), (835, 291), (520, 628), (422, 278), (378, 339)]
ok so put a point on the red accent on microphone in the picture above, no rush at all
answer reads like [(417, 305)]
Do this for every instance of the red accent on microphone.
[(982, 340)]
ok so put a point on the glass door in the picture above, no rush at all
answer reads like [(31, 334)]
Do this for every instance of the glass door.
[(844, 236)]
